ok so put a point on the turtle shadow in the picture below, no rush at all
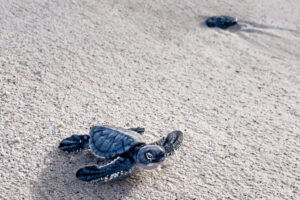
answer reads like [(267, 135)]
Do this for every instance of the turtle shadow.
[(58, 181)]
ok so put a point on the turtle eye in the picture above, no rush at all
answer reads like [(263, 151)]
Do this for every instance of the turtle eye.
[(149, 156)]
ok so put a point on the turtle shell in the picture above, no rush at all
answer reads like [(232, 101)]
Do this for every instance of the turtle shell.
[(108, 142)]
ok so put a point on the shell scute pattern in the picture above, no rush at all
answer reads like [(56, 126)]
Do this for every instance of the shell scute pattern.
[(107, 142)]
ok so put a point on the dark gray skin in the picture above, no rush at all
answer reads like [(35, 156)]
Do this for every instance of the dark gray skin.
[(125, 147)]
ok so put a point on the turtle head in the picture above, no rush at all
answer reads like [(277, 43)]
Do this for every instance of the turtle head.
[(150, 156)]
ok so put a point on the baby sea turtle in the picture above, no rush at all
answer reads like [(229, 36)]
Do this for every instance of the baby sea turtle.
[(125, 146), (222, 22), (226, 22)]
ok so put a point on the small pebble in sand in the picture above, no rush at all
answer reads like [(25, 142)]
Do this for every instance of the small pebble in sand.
[(222, 22), (72, 159), (17, 140), (61, 125), (163, 166)]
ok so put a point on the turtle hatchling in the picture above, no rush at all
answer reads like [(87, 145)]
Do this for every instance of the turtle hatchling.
[(125, 147)]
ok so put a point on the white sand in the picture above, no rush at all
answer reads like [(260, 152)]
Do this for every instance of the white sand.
[(66, 65)]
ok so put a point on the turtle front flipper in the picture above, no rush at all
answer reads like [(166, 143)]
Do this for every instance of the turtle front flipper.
[(171, 143), (118, 168), (74, 143), (138, 130)]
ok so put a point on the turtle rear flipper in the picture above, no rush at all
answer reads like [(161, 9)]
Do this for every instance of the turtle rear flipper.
[(171, 143), (118, 168), (74, 143)]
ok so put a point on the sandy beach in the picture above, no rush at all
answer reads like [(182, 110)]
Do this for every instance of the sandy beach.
[(68, 65)]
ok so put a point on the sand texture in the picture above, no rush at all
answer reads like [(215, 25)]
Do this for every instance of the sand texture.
[(66, 65)]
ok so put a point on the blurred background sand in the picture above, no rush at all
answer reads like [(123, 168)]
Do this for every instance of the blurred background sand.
[(68, 65)]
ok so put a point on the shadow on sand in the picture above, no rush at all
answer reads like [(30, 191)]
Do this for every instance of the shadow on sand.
[(58, 181)]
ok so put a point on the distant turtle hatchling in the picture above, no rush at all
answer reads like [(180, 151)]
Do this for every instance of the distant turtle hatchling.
[(222, 22), (125, 146), (231, 23)]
